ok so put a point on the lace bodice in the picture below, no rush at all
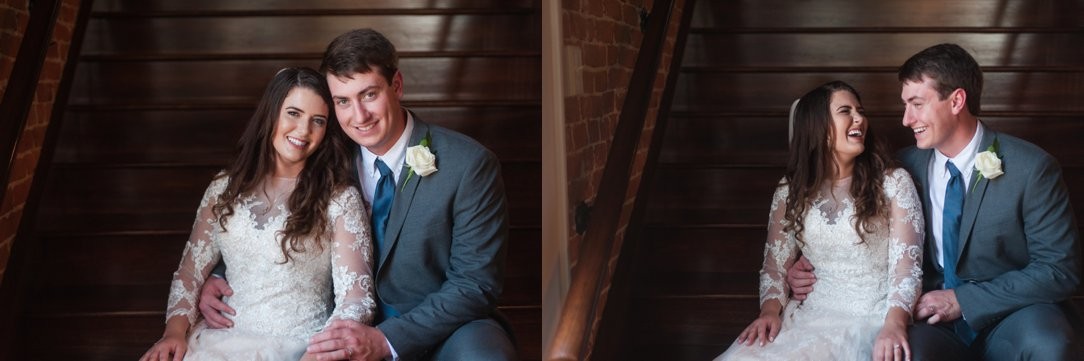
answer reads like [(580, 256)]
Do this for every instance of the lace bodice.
[(297, 298), (852, 277)]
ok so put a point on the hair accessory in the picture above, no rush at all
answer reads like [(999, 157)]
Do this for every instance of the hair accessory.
[(790, 125)]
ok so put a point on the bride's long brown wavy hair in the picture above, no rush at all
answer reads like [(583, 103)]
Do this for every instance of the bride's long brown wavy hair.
[(326, 171), (811, 164)]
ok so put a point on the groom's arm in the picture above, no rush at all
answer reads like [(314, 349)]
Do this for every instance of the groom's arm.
[(1050, 234), (210, 298), (473, 282)]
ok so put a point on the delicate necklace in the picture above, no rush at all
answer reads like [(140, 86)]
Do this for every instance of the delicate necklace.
[(272, 202)]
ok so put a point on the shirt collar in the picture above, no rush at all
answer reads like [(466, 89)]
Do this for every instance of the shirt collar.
[(395, 156), (965, 160)]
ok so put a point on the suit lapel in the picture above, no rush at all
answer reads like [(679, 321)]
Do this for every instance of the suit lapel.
[(404, 196), (974, 198)]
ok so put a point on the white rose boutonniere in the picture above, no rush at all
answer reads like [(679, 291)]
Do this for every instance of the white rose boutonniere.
[(420, 160), (988, 163)]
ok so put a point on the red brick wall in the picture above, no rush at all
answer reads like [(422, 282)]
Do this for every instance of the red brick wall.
[(13, 19), (28, 151), (607, 32)]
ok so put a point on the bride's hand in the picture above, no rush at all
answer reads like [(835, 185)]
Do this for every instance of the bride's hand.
[(891, 344), (763, 329), (169, 344)]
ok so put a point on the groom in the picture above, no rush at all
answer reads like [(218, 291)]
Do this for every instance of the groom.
[(1002, 256), (438, 215)]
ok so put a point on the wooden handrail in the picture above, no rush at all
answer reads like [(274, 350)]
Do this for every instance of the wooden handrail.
[(573, 334), (619, 316), (15, 107)]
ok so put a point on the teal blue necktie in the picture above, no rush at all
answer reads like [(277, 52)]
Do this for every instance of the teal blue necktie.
[(950, 240), (950, 224), (385, 191)]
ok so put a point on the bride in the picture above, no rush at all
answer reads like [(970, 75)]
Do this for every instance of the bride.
[(860, 221), (288, 221)]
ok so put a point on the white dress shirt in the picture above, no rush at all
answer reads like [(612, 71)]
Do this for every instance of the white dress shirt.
[(394, 158), (938, 180)]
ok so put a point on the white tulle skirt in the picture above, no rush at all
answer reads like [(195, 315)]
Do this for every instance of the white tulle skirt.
[(815, 335), (206, 344)]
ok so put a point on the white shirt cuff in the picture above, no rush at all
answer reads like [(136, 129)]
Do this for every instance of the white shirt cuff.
[(394, 355)]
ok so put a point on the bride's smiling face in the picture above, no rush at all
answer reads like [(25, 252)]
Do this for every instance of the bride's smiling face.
[(849, 126), (299, 130)]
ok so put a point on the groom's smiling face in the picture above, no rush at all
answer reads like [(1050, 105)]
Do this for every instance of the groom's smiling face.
[(931, 118), (368, 109)]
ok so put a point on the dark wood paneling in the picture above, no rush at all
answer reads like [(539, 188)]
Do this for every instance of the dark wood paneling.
[(522, 185), (243, 81), (148, 136), (1003, 91), (684, 284), (527, 330), (218, 5), (888, 15), (106, 199), (147, 259), (726, 139), (113, 337), (698, 195), (522, 273), (886, 50), (719, 138), (296, 34), (700, 327), (104, 299), (700, 249)]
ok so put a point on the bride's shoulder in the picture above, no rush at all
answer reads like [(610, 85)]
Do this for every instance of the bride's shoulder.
[(782, 186), (897, 178), (218, 183), (897, 174), (346, 196)]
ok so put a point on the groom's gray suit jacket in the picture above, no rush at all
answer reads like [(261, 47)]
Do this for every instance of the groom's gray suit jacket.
[(1018, 235), (442, 264)]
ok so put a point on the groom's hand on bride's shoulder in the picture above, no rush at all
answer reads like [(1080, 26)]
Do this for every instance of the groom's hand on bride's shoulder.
[(211, 305), (349, 340), (800, 278)]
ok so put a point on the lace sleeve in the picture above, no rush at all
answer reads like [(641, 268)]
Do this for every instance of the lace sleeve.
[(351, 259), (906, 232), (199, 257), (780, 251)]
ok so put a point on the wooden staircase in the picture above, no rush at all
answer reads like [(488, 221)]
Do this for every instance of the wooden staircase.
[(160, 96), (694, 280)]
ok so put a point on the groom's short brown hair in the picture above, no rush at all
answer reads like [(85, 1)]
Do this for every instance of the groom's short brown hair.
[(951, 67), (357, 51)]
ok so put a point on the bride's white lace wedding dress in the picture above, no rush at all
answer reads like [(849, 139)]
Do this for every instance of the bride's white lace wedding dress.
[(857, 282), (279, 305)]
